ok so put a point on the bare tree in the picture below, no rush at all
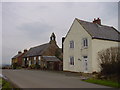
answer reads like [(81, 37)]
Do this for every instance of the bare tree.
[(109, 61)]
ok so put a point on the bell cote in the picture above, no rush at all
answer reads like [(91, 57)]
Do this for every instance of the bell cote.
[(53, 38)]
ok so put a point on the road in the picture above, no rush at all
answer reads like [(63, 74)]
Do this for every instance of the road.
[(45, 79)]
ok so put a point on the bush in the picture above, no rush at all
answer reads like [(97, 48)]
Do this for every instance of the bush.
[(15, 65), (6, 84), (32, 66), (109, 60), (37, 66)]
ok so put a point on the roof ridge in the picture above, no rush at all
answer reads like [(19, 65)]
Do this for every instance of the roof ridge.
[(40, 45), (94, 23), (103, 31)]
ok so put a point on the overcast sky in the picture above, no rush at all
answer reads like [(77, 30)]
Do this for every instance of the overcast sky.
[(25, 25)]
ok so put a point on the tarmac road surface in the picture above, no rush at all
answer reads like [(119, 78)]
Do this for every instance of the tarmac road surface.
[(46, 79)]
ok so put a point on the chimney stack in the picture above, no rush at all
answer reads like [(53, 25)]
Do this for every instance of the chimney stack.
[(25, 50), (97, 21), (19, 52)]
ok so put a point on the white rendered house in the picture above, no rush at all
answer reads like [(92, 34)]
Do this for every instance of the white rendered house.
[(83, 42)]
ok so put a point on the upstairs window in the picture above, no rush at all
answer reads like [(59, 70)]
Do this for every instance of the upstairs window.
[(85, 42), (72, 44), (71, 60)]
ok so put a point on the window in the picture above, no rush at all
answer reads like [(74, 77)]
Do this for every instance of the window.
[(85, 42), (71, 44), (34, 61), (38, 62), (34, 58), (39, 58), (71, 60)]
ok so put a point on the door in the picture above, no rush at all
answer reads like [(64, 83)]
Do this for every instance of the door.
[(85, 63)]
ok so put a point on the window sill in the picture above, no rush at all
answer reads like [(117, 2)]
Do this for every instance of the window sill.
[(85, 47)]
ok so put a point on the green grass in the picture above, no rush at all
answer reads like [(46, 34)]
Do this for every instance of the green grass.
[(104, 82), (6, 84)]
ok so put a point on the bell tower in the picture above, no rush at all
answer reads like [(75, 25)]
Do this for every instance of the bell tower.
[(53, 38)]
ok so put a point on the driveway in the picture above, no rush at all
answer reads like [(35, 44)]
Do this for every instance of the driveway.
[(45, 79)]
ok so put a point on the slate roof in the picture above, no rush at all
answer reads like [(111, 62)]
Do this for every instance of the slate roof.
[(51, 58), (16, 56), (100, 31), (36, 51)]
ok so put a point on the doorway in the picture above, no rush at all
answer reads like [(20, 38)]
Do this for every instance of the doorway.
[(85, 64)]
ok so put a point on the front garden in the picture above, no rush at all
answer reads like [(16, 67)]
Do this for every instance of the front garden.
[(109, 61)]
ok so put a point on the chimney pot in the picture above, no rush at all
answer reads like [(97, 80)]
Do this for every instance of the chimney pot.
[(19, 52), (97, 21), (25, 50)]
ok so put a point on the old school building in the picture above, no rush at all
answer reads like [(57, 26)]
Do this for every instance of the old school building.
[(47, 55)]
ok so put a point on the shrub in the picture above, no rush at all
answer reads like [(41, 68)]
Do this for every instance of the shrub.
[(37, 66), (32, 66), (109, 60), (15, 65), (6, 84)]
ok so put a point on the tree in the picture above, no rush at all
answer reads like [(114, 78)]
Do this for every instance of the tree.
[(109, 61)]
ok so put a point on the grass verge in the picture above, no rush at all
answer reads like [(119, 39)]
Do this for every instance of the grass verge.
[(104, 82), (6, 84)]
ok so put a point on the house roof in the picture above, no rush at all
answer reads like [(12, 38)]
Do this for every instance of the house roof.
[(100, 31), (16, 56), (51, 58), (36, 51)]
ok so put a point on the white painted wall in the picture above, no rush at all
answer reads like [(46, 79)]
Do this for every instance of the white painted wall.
[(98, 45), (76, 33)]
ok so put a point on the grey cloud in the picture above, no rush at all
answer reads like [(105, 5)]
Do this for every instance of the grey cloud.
[(119, 15), (35, 30)]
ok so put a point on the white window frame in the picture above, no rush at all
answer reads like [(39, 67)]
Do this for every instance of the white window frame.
[(34, 58), (34, 61), (72, 60), (71, 44), (39, 62), (39, 57), (85, 42)]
